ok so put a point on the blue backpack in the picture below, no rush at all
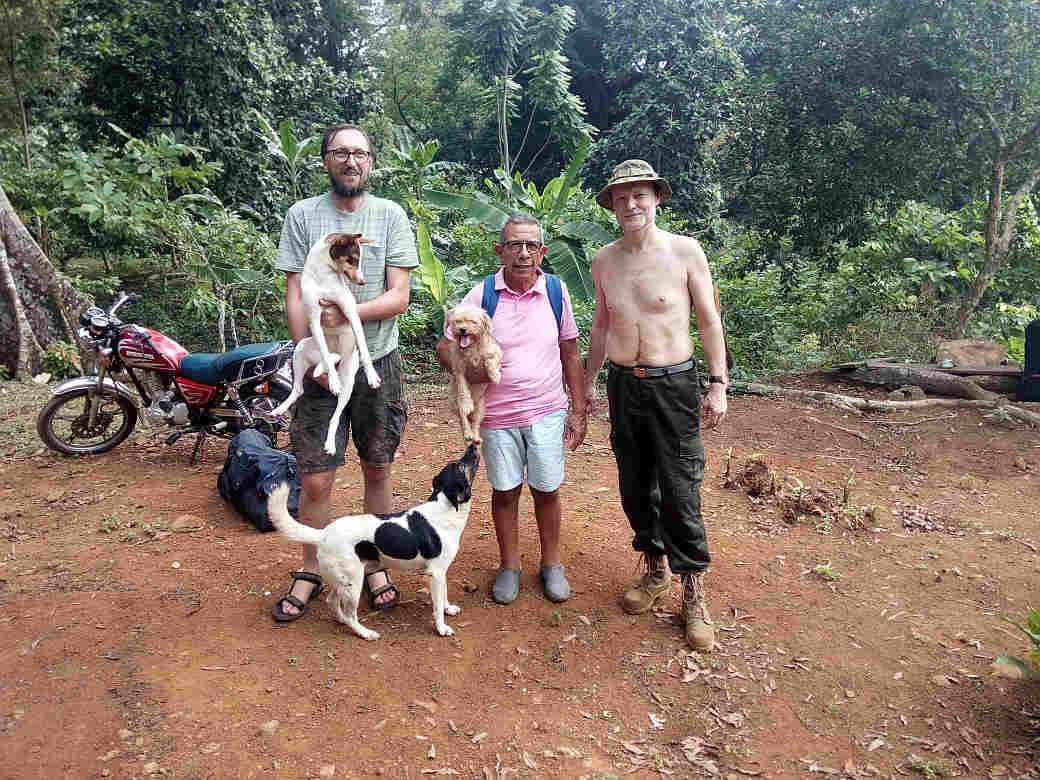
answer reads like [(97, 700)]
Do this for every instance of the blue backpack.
[(553, 287)]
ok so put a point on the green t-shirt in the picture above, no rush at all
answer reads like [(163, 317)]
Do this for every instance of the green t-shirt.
[(391, 242)]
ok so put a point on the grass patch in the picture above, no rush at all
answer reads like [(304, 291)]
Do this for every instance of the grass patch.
[(20, 402)]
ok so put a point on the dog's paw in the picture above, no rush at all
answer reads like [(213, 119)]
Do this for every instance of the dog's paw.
[(495, 376), (335, 385), (373, 380), (330, 447), (366, 633), (445, 630), (465, 407), (452, 609)]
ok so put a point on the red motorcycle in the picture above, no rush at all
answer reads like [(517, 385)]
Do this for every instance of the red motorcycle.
[(198, 393)]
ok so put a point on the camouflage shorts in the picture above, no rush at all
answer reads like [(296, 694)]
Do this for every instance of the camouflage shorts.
[(378, 418)]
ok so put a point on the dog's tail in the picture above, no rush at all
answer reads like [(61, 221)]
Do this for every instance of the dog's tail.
[(287, 525)]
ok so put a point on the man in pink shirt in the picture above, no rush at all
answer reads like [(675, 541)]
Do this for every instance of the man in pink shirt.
[(528, 424)]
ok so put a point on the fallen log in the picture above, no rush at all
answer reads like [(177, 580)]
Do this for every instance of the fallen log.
[(894, 375), (851, 403)]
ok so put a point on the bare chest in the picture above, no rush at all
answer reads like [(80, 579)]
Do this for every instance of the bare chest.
[(647, 288)]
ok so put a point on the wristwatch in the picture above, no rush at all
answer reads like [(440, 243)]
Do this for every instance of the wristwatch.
[(717, 380)]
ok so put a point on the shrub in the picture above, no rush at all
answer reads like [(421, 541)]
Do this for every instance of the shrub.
[(61, 360)]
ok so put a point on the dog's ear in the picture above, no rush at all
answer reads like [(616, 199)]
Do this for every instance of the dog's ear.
[(485, 320)]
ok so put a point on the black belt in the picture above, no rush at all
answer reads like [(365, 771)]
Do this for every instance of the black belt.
[(647, 371)]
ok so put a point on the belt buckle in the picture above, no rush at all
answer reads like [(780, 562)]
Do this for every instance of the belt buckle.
[(639, 371)]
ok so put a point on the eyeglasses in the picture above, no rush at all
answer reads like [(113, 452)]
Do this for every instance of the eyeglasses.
[(342, 155), (532, 247)]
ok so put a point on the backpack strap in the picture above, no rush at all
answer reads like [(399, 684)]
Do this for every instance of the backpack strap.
[(489, 300), (553, 289)]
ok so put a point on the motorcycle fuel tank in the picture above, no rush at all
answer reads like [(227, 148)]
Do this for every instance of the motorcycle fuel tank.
[(146, 348)]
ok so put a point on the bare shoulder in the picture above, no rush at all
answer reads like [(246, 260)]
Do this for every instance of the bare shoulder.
[(687, 248), (603, 255)]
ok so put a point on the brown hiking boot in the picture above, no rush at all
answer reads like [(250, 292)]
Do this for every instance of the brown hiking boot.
[(652, 586), (700, 631)]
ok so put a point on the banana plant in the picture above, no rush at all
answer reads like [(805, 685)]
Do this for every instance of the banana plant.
[(412, 164), (571, 243), (293, 152)]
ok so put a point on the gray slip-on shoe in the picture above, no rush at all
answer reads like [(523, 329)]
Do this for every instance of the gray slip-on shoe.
[(507, 586), (554, 583)]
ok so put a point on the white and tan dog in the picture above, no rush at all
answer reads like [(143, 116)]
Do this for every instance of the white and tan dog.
[(474, 359), (334, 259), (423, 538)]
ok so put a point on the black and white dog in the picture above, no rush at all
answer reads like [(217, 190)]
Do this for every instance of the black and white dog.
[(425, 537)]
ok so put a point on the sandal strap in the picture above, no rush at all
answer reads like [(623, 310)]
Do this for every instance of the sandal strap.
[(294, 601), (374, 594), (307, 576)]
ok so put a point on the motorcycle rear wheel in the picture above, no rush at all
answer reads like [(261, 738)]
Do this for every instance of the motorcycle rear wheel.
[(65, 419)]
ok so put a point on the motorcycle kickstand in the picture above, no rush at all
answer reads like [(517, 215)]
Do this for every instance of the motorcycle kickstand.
[(197, 452)]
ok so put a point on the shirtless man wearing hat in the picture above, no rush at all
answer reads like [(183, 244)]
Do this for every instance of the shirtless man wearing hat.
[(648, 283)]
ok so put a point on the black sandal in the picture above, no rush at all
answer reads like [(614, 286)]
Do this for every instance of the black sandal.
[(282, 616), (385, 588)]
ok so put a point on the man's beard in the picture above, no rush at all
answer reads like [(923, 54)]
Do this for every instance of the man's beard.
[(347, 192)]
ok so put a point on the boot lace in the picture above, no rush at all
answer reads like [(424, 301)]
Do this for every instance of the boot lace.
[(693, 599)]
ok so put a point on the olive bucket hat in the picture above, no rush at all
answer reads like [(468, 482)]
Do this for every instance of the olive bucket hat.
[(630, 171)]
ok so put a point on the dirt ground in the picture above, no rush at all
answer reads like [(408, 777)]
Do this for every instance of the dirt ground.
[(853, 642)]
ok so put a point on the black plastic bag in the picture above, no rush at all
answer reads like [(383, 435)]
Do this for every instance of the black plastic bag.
[(252, 470)]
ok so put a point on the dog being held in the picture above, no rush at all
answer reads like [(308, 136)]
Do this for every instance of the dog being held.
[(425, 537), (334, 259), (474, 359)]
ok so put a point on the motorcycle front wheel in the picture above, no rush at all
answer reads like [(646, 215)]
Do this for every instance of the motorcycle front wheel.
[(64, 423)]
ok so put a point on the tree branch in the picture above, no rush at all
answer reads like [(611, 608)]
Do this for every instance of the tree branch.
[(1010, 215), (993, 125), (1027, 139)]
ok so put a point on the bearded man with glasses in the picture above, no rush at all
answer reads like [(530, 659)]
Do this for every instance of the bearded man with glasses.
[(377, 416), (527, 424)]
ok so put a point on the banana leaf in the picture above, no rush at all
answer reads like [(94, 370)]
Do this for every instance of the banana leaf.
[(431, 270), (571, 264), (490, 216)]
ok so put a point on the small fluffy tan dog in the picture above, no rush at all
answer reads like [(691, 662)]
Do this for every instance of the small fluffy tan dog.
[(474, 359)]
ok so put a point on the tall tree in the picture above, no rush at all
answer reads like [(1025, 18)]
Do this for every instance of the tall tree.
[(39, 305), (198, 70), (854, 106), (27, 48), (672, 67), (519, 50)]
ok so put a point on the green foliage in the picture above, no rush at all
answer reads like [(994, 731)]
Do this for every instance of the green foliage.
[(1027, 669), (297, 155), (61, 360), (843, 216), (519, 51)]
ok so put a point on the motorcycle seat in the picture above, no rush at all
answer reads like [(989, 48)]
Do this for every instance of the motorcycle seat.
[(213, 368)]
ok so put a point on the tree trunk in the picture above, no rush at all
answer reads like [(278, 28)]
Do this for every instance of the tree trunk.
[(851, 403), (1000, 221), (38, 305), (893, 375)]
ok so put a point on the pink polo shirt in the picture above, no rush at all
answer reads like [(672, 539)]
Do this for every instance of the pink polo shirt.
[(532, 373)]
